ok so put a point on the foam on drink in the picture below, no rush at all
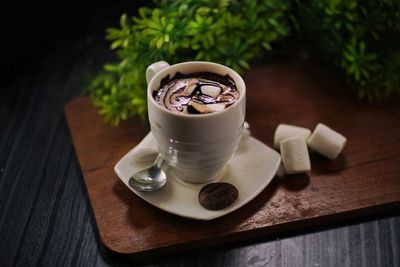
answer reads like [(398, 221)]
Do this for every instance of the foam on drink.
[(196, 93)]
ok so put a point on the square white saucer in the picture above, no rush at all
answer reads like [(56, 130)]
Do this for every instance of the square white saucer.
[(251, 169)]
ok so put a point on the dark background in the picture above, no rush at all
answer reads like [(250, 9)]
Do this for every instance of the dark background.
[(30, 30)]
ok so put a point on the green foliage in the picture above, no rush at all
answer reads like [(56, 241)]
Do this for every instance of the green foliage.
[(229, 32), (360, 37)]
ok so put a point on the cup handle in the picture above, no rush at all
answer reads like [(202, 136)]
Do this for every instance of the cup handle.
[(155, 68)]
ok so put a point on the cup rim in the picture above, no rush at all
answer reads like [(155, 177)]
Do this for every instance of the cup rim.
[(187, 115)]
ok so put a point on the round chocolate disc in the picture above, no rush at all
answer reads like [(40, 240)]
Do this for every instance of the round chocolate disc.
[(217, 196)]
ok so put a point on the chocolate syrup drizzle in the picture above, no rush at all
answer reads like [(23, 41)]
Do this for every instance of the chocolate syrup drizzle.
[(178, 101)]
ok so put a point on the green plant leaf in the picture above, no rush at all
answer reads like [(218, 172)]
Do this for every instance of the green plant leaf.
[(360, 38)]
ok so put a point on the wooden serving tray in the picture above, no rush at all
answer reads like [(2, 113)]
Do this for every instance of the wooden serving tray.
[(365, 178)]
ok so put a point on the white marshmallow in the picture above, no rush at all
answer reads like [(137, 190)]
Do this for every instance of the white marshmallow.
[(203, 108), (189, 89), (284, 131), (216, 107), (281, 171), (326, 141), (294, 155), (210, 90), (199, 107)]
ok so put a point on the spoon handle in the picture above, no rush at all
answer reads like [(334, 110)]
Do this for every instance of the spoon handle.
[(158, 161)]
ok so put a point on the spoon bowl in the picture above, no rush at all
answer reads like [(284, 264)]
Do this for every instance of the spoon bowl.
[(150, 179)]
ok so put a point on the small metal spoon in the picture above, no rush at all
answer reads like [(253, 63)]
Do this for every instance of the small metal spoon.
[(150, 179)]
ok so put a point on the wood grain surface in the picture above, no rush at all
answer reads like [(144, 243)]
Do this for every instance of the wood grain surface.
[(364, 179)]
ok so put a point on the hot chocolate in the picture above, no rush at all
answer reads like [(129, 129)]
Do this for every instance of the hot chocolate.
[(196, 93)]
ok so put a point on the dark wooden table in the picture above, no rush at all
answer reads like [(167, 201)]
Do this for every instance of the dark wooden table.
[(45, 217)]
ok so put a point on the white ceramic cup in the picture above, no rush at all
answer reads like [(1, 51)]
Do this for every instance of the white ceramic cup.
[(195, 146)]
